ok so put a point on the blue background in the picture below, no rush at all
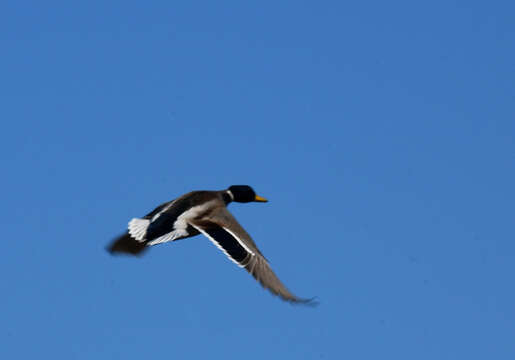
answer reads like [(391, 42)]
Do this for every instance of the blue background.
[(382, 133)]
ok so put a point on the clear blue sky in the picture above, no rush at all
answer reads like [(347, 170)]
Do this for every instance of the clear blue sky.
[(383, 134)]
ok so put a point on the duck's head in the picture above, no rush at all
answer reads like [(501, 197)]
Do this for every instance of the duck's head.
[(244, 194)]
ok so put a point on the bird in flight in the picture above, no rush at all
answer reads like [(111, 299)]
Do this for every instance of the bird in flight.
[(205, 212)]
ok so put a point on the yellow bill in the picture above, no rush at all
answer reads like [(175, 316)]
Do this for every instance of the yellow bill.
[(260, 199)]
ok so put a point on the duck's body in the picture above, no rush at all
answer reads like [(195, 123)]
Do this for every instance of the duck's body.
[(204, 212)]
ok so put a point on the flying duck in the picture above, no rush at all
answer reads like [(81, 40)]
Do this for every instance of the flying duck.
[(205, 212)]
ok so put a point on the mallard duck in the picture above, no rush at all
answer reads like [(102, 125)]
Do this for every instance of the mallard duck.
[(205, 212)]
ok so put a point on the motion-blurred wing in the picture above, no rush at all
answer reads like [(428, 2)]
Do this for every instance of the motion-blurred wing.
[(228, 235), (127, 244)]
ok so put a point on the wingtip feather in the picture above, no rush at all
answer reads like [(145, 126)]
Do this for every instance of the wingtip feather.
[(125, 244)]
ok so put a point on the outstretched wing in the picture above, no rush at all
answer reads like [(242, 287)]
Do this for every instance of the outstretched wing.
[(229, 236)]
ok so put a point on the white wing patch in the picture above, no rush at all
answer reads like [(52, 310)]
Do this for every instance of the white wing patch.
[(171, 236), (221, 248), (180, 226), (138, 228)]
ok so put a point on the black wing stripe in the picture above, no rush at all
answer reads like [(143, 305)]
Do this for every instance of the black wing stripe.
[(228, 243)]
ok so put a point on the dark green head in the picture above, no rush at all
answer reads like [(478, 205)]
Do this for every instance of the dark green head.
[(244, 194)]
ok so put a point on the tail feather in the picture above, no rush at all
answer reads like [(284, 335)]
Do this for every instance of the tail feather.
[(126, 244)]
